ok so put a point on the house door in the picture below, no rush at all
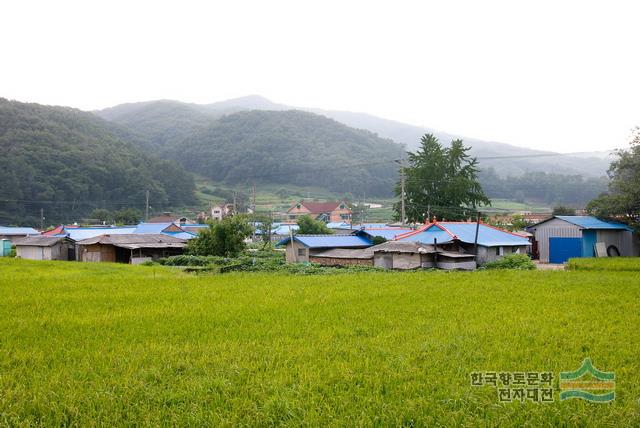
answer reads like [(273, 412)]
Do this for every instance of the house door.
[(562, 249), (387, 261)]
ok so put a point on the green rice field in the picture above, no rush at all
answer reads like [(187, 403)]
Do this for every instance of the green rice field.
[(86, 344)]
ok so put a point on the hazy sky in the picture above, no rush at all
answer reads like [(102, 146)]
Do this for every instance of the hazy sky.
[(558, 75)]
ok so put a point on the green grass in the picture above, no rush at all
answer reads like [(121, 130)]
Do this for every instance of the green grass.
[(630, 264), (102, 344)]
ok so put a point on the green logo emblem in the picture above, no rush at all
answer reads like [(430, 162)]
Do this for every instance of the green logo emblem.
[(588, 383)]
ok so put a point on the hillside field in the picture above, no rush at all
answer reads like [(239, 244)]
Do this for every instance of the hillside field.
[(104, 344)]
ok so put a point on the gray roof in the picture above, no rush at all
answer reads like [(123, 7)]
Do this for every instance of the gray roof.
[(135, 241), (345, 253), (40, 241), (403, 247)]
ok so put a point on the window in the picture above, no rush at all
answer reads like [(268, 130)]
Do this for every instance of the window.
[(302, 252), (292, 217), (341, 206), (499, 251), (344, 216)]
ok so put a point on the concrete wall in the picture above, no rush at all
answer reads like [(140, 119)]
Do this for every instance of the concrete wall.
[(292, 255), (451, 264), (32, 252), (331, 261), (399, 260)]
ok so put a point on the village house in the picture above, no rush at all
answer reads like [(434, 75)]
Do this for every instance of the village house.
[(45, 248), (168, 217), (493, 243), (15, 233), (134, 248), (301, 247), (562, 237), (338, 211)]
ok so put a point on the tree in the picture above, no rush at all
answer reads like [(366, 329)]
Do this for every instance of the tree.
[(562, 210), (441, 181), (622, 201), (127, 216), (266, 223), (309, 226), (223, 238), (101, 215)]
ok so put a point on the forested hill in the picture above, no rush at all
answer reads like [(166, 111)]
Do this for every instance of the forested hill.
[(284, 146), (69, 162), (291, 147)]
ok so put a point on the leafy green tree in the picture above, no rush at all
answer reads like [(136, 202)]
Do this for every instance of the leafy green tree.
[(223, 238), (101, 214), (622, 201), (309, 226), (441, 181), (127, 216), (562, 210), (266, 224)]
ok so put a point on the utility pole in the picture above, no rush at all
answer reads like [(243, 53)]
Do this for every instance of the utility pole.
[(402, 192), (235, 203), (475, 241), (146, 210), (42, 219), (253, 212)]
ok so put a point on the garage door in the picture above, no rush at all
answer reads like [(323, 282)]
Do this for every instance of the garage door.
[(562, 249)]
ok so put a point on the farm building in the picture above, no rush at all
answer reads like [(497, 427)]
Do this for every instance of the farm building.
[(561, 237), (395, 255), (15, 233), (132, 249), (337, 211), (45, 248), (459, 237), (301, 247), (343, 257)]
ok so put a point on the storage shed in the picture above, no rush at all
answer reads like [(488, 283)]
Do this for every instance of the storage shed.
[(45, 248), (562, 237), (132, 249), (301, 247)]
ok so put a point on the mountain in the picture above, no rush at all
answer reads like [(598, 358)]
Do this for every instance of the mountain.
[(587, 164), (69, 162), (290, 147)]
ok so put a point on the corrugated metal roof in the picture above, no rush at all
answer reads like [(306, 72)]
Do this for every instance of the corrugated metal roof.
[(488, 236), (387, 233), (283, 229), (330, 241), (39, 241), (181, 235), (144, 240), (152, 227), (80, 233), (590, 222), (16, 231)]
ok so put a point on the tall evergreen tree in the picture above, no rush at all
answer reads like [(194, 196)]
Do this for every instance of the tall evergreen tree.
[(441, 181)]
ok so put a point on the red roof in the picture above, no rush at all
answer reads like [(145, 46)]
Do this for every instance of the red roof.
[(320, 207)]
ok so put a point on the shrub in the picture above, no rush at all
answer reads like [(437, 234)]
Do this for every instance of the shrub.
[(512, 261)]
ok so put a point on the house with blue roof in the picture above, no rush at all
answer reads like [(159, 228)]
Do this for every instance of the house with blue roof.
[(562, 237), (301, 247), (15, 233), (493, 243)]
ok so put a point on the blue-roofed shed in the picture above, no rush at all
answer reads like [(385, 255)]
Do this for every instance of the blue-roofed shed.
[(299, 249), (562, 237)]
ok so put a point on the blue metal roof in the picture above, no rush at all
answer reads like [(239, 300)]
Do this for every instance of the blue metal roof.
[(151, 227), (488, 236), (590, 222), (181, 235), (283, 229), (386, 233), (79, 233), (18, 231), (330, 241)]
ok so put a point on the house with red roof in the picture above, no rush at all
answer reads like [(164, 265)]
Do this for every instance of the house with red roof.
[(335, 211)]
